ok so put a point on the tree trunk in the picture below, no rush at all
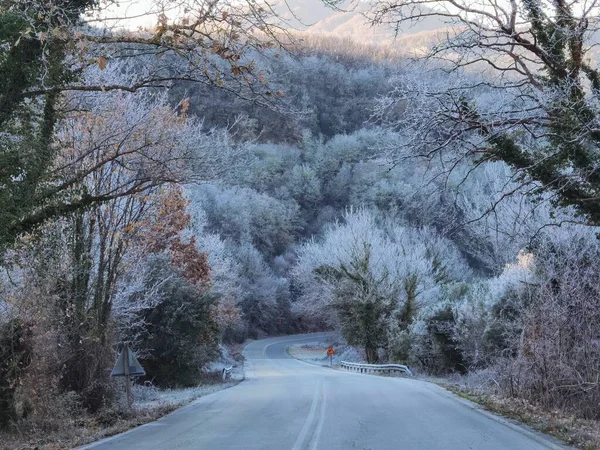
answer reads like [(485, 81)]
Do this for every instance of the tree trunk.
[(372, 355)]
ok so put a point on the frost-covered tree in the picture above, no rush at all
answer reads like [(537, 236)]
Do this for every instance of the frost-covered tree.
[(246, 216), (532, 103), (225, 280), (360, 299), (46, 49), (264, 300), (369, 261)]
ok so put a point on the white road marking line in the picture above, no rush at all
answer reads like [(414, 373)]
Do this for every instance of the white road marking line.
[(317, 435), (311, 416)]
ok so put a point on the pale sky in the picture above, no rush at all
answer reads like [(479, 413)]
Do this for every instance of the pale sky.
[(136, 13)]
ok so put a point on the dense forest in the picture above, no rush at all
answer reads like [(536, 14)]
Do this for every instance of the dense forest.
[(317, 184)]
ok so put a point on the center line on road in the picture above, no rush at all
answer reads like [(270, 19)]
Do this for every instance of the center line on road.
[(309, 419), (317, 436)]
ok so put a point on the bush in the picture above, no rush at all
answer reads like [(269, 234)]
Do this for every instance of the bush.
[(399, 344), (559, 348), (441, 329), (180, 335), (433, 344)]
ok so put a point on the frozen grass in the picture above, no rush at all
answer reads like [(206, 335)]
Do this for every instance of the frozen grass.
[(150, 397)]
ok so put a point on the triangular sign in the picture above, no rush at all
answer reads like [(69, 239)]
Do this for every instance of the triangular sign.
[(135, 368)]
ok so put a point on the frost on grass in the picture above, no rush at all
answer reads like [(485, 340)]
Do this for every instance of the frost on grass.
[(148, 397)]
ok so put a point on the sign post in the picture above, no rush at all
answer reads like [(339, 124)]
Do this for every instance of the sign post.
[(127, 378), (330, 353), (127, 366)]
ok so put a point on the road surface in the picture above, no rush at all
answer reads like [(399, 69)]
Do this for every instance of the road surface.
[(288, 404)]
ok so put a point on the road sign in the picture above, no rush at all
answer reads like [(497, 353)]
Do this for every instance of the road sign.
[(127, 365), (330, 353)]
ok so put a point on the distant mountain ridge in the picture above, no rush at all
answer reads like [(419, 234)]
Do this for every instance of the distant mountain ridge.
[(315, 17)]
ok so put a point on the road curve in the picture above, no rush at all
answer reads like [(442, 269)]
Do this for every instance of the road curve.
[(286, 404)]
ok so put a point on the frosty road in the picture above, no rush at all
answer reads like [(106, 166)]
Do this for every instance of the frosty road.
[(288, 404)]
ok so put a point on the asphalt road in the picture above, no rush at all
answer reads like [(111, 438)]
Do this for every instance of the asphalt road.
[(286, 404)]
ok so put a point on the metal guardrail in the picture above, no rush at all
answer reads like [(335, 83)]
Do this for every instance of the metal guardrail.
[(376, 368), (226, 373)]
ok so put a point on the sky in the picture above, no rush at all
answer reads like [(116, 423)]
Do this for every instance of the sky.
[(135, 13)]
